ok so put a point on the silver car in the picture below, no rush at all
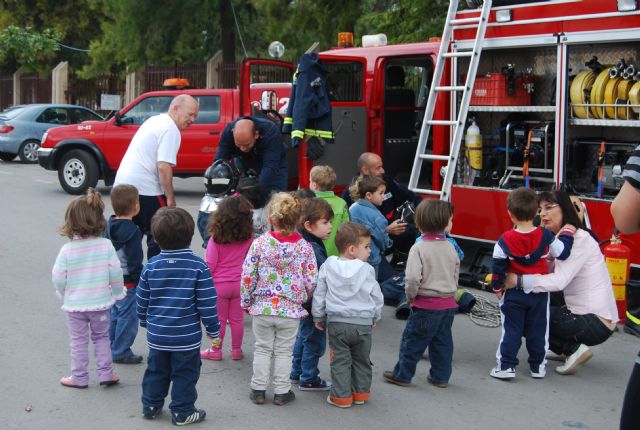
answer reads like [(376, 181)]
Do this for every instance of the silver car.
[(22, 127)]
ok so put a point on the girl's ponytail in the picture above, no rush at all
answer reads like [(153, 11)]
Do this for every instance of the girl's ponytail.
[(284, 212)]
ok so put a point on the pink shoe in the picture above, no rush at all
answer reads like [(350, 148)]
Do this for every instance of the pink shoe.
[(211, 354), (109, 382), (237, 354), (68, 381)]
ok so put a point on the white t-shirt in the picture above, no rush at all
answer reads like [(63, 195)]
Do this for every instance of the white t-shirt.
[(157, 139)]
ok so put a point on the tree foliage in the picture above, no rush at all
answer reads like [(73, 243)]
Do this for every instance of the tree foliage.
[(24, 47), (127, 34)]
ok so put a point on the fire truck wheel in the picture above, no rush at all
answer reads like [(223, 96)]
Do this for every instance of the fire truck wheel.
[(77, 171)]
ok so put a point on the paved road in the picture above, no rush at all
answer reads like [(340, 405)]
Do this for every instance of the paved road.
[(34, 355)]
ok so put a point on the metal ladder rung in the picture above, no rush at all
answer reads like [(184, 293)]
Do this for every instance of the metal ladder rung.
[(441, 122), (458, 54), (451, 88), (425, 191), (462, 21), (434, 157)]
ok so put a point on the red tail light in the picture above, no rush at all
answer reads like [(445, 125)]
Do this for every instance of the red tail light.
[(6, 129)]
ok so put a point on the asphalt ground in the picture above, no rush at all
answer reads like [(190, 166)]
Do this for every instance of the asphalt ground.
[(34, 354)]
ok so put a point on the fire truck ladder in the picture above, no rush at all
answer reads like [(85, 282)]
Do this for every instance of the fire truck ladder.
[(458, 124)]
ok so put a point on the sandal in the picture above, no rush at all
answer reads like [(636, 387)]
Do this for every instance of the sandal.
[(68, 381)]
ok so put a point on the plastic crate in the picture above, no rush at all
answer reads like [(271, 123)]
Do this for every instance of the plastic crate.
[(492, 91)]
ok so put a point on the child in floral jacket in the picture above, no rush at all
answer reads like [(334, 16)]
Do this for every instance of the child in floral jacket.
[(278, 275)]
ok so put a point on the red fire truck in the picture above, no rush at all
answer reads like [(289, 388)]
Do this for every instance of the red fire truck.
[(556, 79)]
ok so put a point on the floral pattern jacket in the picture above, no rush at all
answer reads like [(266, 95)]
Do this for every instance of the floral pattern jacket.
[(278, 275)]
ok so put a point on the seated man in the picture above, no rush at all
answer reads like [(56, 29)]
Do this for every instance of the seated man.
[(403, 235)]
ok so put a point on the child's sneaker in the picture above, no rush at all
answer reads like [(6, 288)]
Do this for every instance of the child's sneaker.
[(196, 417), (283, 399), (211, 354), (294, 381), (541, 373), (68, 381), (318, 385), (150, 412), (257, 396), (437, 384), (336, 402), (109, 382), (236, 354), (499, 373)]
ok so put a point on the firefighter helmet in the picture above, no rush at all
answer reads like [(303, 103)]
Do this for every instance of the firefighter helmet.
[(221, 178)]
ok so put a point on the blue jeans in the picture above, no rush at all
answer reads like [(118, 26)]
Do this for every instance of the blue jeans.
[(182, 368), (309, 347), (124, 326), (202, 224), (424, 329)]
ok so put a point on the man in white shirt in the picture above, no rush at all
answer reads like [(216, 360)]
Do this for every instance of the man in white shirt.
[(149, 160)]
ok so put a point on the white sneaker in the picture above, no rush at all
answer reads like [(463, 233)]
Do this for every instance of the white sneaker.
[(575, 360), (555, 357), (499, 373), (541, 373)]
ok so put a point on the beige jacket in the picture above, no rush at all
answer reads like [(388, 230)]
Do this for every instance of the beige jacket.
[(432, 269)]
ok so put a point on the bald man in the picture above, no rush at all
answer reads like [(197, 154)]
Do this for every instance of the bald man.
[(256, 147), (150, 158)]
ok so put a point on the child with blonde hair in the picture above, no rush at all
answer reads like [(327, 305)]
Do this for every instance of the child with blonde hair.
[(431, 282), (231, 230), (323, 179), (278, 275), (88, 276)]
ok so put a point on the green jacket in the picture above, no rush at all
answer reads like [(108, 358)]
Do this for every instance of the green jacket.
[(340, 215)]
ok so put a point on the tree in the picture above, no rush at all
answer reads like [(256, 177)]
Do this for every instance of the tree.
[(404, 20), (24, 47), (75, 23), (299, 23)]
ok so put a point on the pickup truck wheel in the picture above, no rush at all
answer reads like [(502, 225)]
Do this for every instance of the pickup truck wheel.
[(28, 151), (77, 171), (5, 156)]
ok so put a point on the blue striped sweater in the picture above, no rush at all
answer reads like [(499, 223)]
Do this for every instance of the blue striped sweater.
[(174, 294)]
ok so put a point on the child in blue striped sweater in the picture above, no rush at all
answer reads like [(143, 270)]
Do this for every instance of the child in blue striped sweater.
[(174, 294)]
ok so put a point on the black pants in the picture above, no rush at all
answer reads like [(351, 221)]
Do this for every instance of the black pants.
[(630, 419), (567, 331), (149, 205)]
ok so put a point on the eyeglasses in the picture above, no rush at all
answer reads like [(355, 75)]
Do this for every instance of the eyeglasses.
[(547, 208)]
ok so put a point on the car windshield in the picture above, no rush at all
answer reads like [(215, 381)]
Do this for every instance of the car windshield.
[(12, 112)]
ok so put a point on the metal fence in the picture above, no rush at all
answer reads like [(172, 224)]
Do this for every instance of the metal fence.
[(228, 75), (34, 89), (154, 76), (89, 92), (6, 91)]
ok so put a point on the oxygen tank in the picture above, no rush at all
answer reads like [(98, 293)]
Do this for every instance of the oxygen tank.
[(473, 146)]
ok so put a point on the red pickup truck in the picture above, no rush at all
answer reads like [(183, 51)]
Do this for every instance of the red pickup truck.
[(92, 150)]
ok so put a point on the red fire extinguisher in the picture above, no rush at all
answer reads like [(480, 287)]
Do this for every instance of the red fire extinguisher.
[(618, 258)]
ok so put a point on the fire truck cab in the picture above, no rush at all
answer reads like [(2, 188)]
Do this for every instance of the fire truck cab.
[(568, 71)]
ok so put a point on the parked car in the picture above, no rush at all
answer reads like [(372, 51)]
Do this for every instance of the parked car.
[(22, 127)]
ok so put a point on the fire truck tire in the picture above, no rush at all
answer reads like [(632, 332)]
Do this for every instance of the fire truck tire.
[(634, 97), (623, 97), (77, 171), (580, 87), (610, 95), (597, 94)]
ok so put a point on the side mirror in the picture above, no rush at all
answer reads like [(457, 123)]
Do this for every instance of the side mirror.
[(122, 120)]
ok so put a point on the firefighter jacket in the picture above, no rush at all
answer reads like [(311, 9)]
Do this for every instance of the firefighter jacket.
[(309, 110)]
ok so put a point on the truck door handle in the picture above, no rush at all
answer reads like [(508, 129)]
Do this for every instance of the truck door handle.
[(214, 131)]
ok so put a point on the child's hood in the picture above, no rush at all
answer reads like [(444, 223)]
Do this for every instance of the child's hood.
[(120, 231), (351, 275)]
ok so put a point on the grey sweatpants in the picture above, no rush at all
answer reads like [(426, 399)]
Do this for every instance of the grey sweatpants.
[(350, 346)]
